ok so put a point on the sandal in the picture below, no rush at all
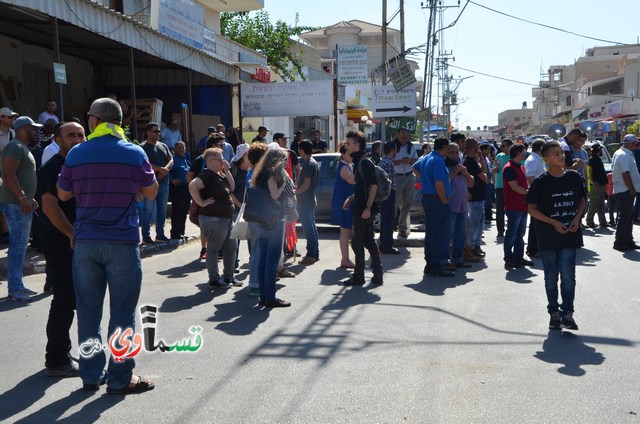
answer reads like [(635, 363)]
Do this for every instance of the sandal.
[(141, 386)]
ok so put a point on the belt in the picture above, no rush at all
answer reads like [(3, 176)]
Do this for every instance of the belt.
[(431, 195), (403, 175)]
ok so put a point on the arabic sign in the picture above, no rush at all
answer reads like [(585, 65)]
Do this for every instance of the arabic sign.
[(179, 19), (394, 124), (389, 102), (60, 73), (400, 73), (287, 99), (353, 65), (209, 41), (124, 343)]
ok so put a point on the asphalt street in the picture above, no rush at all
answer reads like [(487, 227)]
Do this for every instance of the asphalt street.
[(469, 349)]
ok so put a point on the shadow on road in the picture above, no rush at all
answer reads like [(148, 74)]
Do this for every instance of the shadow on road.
[(436, 286), (240, 316), (184, 270), (204, 294), (520, 275), (571, 352)]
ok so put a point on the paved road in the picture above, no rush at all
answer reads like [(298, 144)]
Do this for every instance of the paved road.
[(474, 348)]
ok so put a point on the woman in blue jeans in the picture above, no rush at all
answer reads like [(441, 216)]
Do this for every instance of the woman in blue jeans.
[(267, 240)]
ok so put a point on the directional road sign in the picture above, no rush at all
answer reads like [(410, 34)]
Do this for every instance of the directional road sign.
[(389, 102)]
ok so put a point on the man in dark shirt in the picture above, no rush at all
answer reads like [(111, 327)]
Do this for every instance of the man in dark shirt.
[(297, 139), (515, 191), (364, 209), (598, 182), (319, 145), (57, 243), (161, 161), (477, 167), (306, 195)]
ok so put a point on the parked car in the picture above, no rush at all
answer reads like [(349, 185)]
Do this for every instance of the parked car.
[(327, 166)]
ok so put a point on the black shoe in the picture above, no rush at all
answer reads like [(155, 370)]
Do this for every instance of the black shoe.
[(262, 301), (217, 284), (526, 262), (377, 280), (568, 322), (48, 288), (500, 235), (511, 265), (622, 248), (353, 282), (161, 238), (634, 246), (554, 321), (441, 274), (392, 251), (426, 269), (147, 240), (277, 303)]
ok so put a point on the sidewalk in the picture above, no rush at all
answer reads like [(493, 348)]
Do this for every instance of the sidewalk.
[(34, 262)]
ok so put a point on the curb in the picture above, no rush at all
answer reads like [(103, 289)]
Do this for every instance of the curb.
[(409, 242), (38, 267)]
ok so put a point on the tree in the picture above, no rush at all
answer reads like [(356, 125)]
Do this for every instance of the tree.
[(272, 40)]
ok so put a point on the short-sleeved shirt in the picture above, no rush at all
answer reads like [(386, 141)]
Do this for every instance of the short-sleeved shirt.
[(217, 187), (514, 201), (432, 169), (181, 166), (45, 116), (598, 174), (458, 200), (365, 177), (47, 179), (403, 152), (478, 191), (622, 162), (159, 155), (320, 145), (106, 173), (501, 161), (534, 166), (50, 151), (558, 198), (387, 166), (309, 170), (170, 137), (26, 172)]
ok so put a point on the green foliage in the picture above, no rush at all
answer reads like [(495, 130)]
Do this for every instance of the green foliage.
[(272, 40), (633, 128)]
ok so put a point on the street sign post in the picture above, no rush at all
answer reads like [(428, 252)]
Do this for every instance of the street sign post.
[(389, 102)]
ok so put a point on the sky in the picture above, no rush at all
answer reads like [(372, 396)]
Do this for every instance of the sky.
[(486, 42)]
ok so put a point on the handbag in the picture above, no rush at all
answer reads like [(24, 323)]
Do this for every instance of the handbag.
[(194, 212), (261, 208), (240, 229)]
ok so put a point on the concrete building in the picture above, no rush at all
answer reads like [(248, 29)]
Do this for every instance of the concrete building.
[(514, 121)]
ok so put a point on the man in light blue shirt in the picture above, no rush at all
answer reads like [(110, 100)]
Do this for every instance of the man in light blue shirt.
[(171, 134)]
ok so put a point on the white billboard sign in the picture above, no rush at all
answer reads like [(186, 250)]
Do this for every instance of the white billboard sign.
[(353, 65), (179, 19), (287, 99), (389, 102)]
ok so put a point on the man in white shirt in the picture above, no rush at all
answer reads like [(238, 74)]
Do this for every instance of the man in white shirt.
[(626, 183), (49, 113), (406, 156), (533, 168)]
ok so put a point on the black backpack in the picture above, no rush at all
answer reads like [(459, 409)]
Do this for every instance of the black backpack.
[(382, 180)]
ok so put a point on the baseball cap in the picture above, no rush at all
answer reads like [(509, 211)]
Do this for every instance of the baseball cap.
[(5, 111), (630, 138), (241, 150), (211, 129), (25, 121), (261, 128), (485, 143)]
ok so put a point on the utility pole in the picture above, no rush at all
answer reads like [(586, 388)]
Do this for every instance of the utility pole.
[(383, 125)]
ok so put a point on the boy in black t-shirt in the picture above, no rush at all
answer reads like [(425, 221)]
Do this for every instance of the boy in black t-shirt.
[(556, 201)]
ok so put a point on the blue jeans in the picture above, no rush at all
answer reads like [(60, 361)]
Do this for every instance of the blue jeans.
[(458, 233), (19, 226), (307, 218), (264, 260), (563, 262), (476, 222), (514, 237), (387, 221), (160, 203), (97, 266), (436, 246)]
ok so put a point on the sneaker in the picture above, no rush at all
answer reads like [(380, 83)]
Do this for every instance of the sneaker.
[(568, 321), (478, 252), (377, 280), (217, 284), (161, 238), (203, 253), (254, 291), (30, 292), (233, 282), (554, 321), (147, 240), (19, 296), (69, 370), (277, 303), (526, 262)]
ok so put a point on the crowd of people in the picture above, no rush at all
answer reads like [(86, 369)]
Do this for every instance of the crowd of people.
[(95, 197)]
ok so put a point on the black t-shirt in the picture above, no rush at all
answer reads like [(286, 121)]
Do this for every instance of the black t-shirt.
[(240, 179), (478, 192), (557, 197), (320, 145), (598, 174), (216, 186), (47, 179), (197, 166), (159, 155), (294, 147), (365, 177), (309, 170)]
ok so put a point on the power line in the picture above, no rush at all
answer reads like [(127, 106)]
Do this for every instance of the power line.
[(545, 25)]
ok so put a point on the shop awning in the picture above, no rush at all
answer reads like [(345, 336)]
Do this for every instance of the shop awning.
[(103, 36), (357, 114)]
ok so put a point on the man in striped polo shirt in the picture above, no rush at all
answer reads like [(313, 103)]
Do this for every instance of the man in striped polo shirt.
[(105, 174)]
